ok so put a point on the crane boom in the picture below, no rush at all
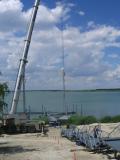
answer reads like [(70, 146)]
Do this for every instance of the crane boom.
[(23, 61)]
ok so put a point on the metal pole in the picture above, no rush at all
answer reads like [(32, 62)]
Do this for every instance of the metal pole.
[(29, 110), (64, 95), (42, 110), (73, 108), (81, 110), (23, 61), (63, 65), (76, 108)]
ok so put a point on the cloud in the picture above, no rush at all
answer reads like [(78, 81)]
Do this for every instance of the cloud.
[(91, 24), (85, 63), (81, 13), (114, 56), (12, 18)]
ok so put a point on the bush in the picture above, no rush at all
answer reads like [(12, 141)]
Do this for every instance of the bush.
[(88, 120), (79, 120), (106, 119), (3, 91), (74, 119), (116, 119), (42, 118)]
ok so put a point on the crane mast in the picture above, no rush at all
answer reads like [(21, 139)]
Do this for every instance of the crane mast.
[(23, 61)]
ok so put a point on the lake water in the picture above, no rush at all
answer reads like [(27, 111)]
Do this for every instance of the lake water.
[(99, 103)]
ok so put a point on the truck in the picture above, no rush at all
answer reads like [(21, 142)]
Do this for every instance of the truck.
[(19, 123)]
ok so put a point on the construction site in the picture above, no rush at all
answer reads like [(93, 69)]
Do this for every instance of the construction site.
[(52, 146), (24, 139)]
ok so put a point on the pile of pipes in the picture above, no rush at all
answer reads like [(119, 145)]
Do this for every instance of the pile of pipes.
[(92, 138)]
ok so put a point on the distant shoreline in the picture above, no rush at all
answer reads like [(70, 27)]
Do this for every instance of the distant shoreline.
[(84, 90)]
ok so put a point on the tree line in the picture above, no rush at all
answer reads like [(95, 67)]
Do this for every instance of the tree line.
[(81, 120), (3, 91)]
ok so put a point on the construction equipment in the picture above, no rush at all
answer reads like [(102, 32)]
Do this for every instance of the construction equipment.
[(19, 123), (23, 61)]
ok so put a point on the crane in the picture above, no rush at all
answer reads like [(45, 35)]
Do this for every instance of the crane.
[(23, 61), (11, 117)]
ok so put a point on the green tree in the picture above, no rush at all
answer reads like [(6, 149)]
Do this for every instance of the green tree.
[(42, 118), (3, 91), (88, 120), (106, 119), (74, 119), (116, 119), (80, 120)]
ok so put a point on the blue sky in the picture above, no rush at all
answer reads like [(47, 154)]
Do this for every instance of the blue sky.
[(91, 43), (100, 11)]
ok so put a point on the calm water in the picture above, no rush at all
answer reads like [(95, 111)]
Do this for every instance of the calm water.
[(98, 103)]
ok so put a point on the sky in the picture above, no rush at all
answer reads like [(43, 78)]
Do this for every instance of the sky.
[(91, 42)]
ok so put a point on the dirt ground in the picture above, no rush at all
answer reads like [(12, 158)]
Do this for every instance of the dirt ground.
[(39, 147)]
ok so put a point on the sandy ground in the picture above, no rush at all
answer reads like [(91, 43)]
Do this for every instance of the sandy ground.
[(39, 147)]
